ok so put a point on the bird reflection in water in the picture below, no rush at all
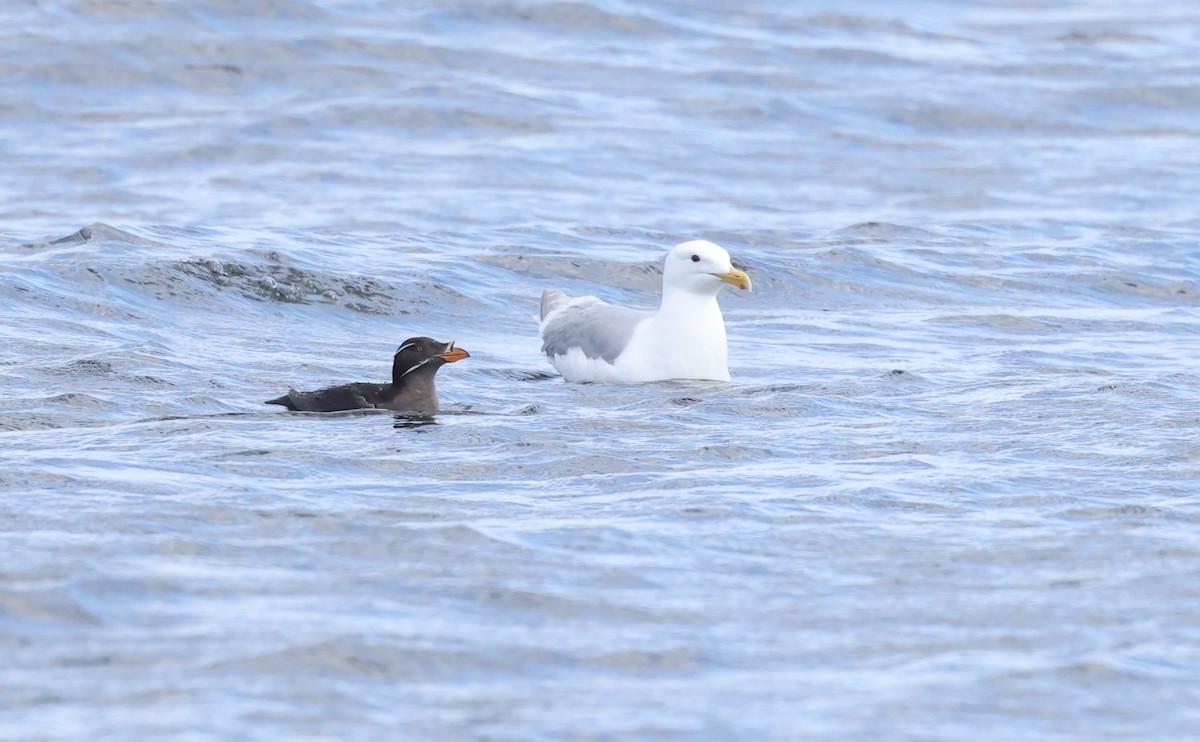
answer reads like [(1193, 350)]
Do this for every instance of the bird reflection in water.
[(413, 420)]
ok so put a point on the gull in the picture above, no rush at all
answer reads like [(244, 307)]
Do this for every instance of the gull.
[(587, 339)]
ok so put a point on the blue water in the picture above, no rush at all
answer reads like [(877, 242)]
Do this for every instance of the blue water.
[(952, 491)]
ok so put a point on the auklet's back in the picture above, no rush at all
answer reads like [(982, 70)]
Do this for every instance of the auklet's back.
[(412, 389)]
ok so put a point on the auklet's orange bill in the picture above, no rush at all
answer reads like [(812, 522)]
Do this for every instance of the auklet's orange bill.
[(412, 389)]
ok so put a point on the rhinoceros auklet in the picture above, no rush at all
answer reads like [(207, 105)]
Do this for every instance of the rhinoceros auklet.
[(412, 389)]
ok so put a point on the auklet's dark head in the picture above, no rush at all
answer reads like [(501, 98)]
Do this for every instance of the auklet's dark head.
[(422, 355)]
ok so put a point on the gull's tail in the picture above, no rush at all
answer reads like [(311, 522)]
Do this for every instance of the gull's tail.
[(552, 299)]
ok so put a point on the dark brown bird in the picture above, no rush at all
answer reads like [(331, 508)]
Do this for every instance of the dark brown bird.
[(412, 389)]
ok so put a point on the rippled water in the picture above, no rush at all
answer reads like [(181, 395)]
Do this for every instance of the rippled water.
[(952, 492)]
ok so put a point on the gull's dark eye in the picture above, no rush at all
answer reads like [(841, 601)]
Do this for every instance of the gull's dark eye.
[(695, 258)]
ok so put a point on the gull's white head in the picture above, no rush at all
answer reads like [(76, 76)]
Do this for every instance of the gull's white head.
[(701, 267)]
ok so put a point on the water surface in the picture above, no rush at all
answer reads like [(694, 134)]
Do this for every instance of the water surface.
[(951, 491)]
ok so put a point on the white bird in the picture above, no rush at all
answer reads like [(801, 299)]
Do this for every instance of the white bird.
[(587, 339)]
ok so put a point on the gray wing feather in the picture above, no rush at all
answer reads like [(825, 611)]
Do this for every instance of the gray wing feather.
[(551, 299), (600, 330)]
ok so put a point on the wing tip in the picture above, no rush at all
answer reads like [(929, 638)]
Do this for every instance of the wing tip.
[(552, 299), (286, 400)]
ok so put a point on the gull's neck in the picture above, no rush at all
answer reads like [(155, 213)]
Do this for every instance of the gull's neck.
[(688, 336), (681, 302)]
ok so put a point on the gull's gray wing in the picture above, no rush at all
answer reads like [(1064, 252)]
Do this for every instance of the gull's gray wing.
[(600, 330)]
